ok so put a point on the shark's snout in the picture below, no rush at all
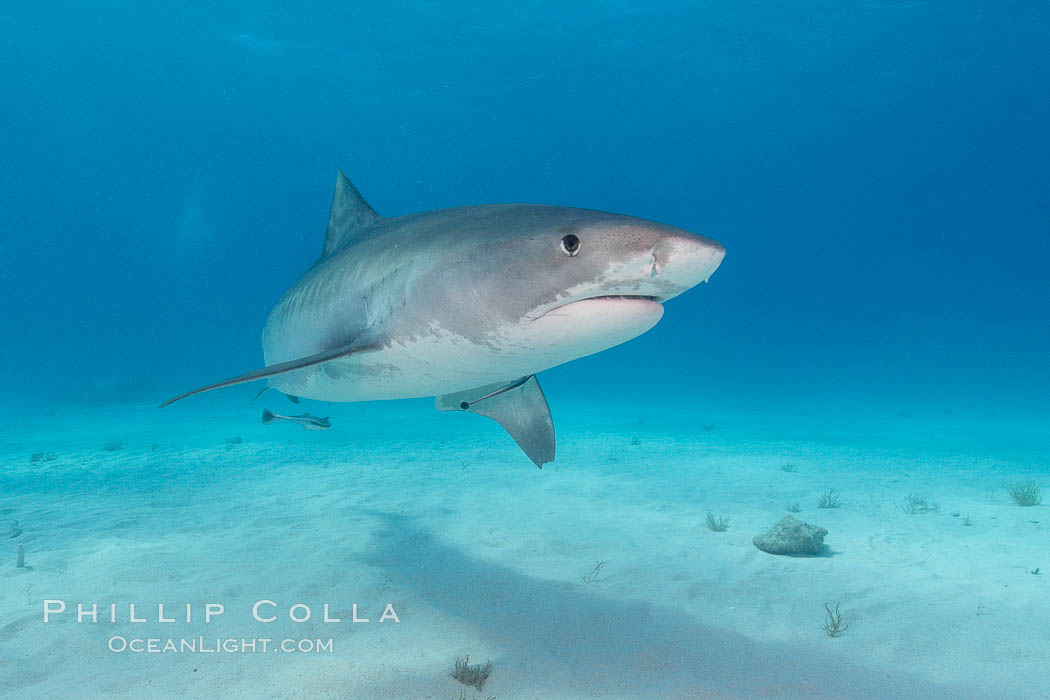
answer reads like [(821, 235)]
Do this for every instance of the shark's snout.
[(681, 262)]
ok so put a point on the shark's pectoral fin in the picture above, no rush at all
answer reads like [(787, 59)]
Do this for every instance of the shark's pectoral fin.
[(279, 368), (519, 406)]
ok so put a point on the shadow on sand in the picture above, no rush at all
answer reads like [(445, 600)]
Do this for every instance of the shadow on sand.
[(560, 639)]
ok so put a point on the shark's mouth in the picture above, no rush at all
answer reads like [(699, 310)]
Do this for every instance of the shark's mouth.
[(622, 296), (600, 299)]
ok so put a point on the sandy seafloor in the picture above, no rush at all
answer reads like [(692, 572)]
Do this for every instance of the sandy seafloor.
[(481, 553)]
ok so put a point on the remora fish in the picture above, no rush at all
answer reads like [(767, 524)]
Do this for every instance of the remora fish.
[(468, 304), (305, 419)]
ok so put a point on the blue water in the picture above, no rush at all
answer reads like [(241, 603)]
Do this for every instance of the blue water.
[(877, 172)]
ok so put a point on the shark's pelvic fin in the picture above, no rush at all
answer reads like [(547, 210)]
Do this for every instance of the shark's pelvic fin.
[(290, 397), (350, 214), (519, 406), (279, 368)]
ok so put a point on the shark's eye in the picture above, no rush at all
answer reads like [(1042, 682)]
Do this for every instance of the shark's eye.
[(570, 245)]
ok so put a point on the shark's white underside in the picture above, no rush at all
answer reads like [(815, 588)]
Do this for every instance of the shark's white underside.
[(435, 361)]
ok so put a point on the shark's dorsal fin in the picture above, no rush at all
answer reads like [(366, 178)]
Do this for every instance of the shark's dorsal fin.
[(350, 214), (519, 406)]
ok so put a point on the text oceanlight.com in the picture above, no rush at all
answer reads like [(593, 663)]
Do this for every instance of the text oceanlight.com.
[(203, 645)]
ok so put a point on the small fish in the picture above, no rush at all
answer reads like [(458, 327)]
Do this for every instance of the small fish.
[(306, 420)]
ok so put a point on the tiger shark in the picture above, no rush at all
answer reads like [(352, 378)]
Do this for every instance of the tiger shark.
[(469, 304)]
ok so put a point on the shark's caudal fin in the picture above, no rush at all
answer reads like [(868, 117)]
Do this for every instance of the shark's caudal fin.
[(268, 416), (280, 368), (519, 406), (350, 214)]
